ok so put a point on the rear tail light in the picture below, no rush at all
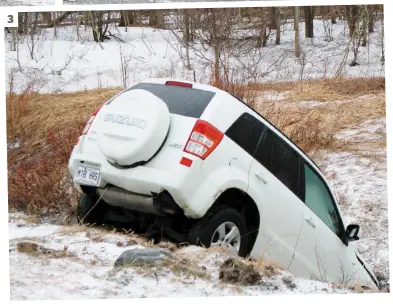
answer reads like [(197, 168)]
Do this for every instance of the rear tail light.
[(203, 140), (90, 120), (179, 84)]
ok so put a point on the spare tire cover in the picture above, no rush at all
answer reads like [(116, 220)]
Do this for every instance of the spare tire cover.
[(132, 127)]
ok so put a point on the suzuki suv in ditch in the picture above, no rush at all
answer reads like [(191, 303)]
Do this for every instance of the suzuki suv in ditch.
[(197, 164)]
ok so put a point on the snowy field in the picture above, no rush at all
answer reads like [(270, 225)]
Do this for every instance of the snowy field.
[(26, 2), (88, 272), (62, 63)]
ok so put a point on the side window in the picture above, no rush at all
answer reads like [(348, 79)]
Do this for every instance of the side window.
[(246, 131), (280, 159), (319, 200)]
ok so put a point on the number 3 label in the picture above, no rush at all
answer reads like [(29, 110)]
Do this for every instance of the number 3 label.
[(10, 19)]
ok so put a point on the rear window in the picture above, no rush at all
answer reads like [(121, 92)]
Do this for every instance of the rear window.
[(181, 101)]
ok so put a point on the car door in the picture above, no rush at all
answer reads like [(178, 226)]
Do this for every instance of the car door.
[(321, 253), (274, 184)]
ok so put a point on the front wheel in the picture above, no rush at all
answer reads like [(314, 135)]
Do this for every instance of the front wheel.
[(223, 227)]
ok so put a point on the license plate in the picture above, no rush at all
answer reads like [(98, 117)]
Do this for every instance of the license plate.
[(87, 176)]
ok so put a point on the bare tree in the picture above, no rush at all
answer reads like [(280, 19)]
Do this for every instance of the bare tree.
[(309, 21), (365, 16), (156, 19), (278, 26), (383, 34), (187, 36), (262, 39), (296, 28)]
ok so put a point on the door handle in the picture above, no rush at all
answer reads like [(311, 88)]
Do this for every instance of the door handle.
[(310, 222), (260, 176)]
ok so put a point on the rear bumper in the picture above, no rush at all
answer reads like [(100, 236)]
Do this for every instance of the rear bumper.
[(189, 188)]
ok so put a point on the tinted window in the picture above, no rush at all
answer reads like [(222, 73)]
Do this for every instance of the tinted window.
[(280, 159), (180, 100), (273, 126), (246, 131), (319, 200)]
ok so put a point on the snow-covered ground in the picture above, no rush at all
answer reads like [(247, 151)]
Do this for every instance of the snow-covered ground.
[(88, 272), (359, 180), (26, 2), (64, 63)]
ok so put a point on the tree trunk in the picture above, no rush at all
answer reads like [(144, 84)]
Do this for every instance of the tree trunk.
[(262, 39), (309, 21), (47, 16), (365, 16), (216, 47), (126, 18), (186, 37), (370, 13), (156, 19), (333, 16), (352, 12), (56, 21), (273, 18), (278, 26), (383, 35), (296, 25)]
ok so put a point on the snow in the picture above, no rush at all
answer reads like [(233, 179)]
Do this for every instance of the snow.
[(89, 273), (64, 63), (25, 2), (359, 180)]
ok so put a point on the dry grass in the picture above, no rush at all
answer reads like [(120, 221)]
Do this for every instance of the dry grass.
[(36, 250), (47, 127), (325, 89), (315, 128)]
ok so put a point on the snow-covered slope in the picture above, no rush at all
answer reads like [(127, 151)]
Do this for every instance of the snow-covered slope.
[(65, 63), (88, 272)]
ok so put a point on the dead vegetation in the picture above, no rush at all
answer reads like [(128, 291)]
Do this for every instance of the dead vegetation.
[(234, 271), (328, 89), (47, 127), (314, 128), (36, 250)]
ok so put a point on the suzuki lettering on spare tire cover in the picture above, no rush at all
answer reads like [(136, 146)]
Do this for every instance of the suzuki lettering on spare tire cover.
[(126, 119), (132, 127)]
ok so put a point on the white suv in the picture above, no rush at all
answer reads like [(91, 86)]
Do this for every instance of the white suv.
[(197, 164)]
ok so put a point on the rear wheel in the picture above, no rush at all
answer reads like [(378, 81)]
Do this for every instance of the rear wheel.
[(223, 227), (91, 212)]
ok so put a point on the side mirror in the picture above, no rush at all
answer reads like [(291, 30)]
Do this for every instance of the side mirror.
[(352, 232)]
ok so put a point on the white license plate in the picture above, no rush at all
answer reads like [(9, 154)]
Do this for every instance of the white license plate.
[(87, 176)]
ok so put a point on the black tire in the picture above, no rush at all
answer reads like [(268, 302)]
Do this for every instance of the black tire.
[(202, 232), (86, 215)]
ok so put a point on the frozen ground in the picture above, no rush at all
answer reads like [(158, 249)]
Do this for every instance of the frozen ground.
[(88, 273), (359, 180), (63, 63), (26, 2)]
